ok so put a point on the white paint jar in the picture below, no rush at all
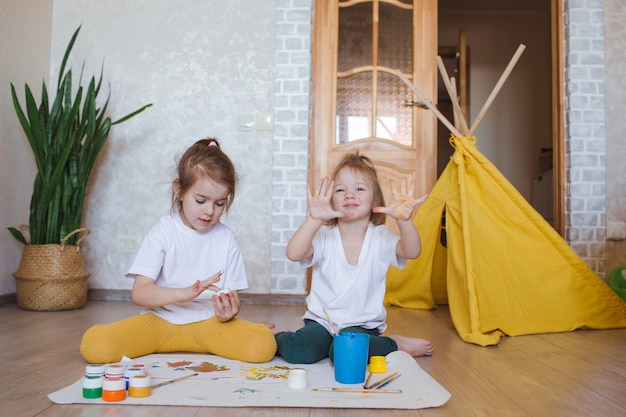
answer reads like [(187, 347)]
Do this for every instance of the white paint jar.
[(297, 379)]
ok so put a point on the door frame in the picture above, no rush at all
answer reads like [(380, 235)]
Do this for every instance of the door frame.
[(558, 129)]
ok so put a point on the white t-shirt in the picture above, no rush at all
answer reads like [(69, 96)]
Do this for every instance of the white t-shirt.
[(175, 256), (352, 294)]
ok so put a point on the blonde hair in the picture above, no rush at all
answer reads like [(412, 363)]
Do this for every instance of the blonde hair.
[(204, 159), (363, 165)]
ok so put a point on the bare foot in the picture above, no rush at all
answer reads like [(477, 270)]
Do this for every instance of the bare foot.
[(275, 331), (273, 328), (413, 346)]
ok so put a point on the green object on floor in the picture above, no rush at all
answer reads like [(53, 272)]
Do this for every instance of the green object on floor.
[(617, 282)]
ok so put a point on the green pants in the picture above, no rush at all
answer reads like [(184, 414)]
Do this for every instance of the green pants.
[(313, 343)]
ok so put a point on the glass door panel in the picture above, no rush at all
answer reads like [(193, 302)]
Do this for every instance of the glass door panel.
[(374, 39), (395, 116), (354, 107), (395, 33)]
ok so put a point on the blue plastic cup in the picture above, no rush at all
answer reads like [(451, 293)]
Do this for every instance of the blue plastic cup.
[(350, 357)]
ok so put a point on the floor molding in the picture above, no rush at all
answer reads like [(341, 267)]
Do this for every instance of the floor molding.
[(124, 295), (246, 298), (8, 299)]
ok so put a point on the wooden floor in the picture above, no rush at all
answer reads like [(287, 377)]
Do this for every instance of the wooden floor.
[(581, 373)]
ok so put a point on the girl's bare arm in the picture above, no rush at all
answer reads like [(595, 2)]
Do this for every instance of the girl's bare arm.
[(147, 293)]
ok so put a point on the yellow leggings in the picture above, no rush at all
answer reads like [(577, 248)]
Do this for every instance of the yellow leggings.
[(148, 333)]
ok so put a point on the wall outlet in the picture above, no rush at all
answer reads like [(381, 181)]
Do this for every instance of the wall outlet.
[(128, 243), (616, 230)]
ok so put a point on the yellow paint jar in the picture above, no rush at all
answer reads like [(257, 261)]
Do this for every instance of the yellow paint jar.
[(139, 386), (378, 364)]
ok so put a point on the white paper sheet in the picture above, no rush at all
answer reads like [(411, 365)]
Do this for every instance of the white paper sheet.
[(239, 384)]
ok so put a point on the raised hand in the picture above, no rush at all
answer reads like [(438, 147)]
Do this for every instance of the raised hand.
[(402, 204), (200, 286), (319, 204)]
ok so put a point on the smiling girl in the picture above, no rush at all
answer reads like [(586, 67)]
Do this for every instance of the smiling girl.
[(350, 249), (187, 274)]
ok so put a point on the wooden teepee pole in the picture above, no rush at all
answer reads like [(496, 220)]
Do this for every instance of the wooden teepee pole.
[(457, 116), (497, 88), (428, 104), (452, 93)]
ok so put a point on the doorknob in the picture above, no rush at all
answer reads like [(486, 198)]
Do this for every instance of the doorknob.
[(415, 103)]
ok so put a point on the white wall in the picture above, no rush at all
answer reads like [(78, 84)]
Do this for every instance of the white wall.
[(615, 56), (25, 58), (202, 65)]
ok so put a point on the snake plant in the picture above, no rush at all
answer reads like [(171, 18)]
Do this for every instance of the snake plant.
[(66, 139)]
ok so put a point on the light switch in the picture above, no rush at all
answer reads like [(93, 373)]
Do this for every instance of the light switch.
[(264, 121), (247, 121)]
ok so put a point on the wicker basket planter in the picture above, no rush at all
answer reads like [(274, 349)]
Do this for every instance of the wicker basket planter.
[(52, 277)]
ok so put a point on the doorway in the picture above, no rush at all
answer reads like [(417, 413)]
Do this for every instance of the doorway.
[(522, 133), (420, 155)]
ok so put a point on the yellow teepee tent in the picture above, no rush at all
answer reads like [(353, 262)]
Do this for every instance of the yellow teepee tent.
[(501, 268)]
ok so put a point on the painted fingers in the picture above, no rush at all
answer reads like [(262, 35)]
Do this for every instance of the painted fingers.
[(319, 202), (403, 203), (323, 191)]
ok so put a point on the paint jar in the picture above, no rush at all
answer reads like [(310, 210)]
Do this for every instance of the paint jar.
[(350, 357), (115, 370), (141, 366), (92, 386), (297, 379), (139, 386), (132, 371), (114, 389), (378, 364), (95, 369)]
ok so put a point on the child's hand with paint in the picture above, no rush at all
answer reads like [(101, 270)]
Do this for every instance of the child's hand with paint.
[(403, 205)]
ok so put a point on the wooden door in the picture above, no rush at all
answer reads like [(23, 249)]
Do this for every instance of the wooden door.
[(359, 102)]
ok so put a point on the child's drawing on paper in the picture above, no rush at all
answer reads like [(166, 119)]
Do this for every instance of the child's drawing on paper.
[(213, 367), (266, 373), (202, 367)]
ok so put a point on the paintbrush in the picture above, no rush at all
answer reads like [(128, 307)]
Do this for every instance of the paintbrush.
[(171, 381), (362, 391), (332, 326), (387, 382), (384, 381), (367, 381)]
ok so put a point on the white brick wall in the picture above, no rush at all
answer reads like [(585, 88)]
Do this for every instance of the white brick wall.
[(585, 147), (291, 137)]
